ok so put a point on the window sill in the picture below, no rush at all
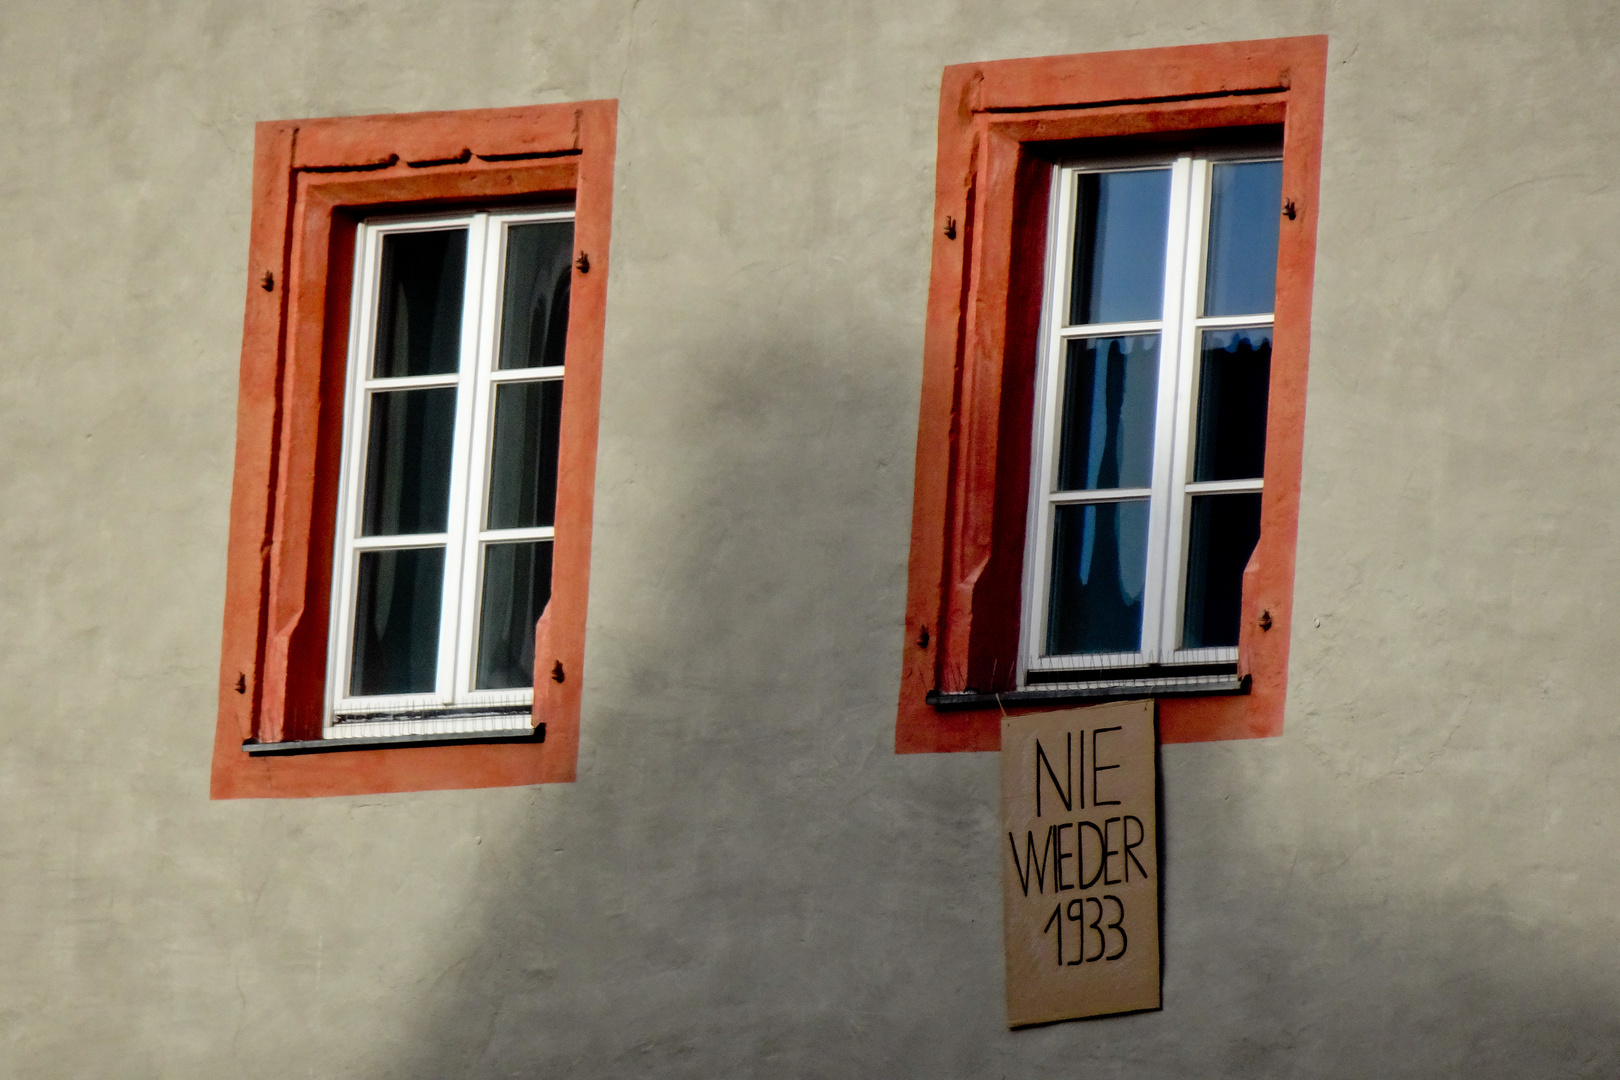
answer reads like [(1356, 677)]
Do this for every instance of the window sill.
[(432, 720), (1095, 692), (535, 734)]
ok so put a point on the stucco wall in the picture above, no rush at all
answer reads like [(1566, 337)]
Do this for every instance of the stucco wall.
[(1416, 880)]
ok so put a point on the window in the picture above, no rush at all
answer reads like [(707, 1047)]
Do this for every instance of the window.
[(413, 486), (1150, 419), (449, 482), (1111, 427)]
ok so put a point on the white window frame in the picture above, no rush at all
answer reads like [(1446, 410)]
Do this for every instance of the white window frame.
[(1175, 413), (464, 709)]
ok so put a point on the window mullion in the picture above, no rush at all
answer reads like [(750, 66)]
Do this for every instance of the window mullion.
[(1095, 496), (1157, 606), (539, 374), (1146, 326), (484, 406), (1180, 462), (1038, 533), (463, 496)]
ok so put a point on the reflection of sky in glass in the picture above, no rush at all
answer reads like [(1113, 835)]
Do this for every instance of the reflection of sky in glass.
[(1244, 209), (1119, 241)]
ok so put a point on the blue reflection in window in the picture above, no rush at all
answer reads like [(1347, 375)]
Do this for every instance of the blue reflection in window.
[(1121, 220), (1244, 210)]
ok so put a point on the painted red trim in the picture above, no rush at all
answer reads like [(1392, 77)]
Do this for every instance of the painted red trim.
[(312, 181), (973, 435)]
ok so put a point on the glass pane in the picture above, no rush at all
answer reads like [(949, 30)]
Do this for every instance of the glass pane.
[(534, 305), (1099, 562), (1244, 208), (523, 455), (419, 303), (396, 622), (408, 461), (1110, 386), (1234, 380), (1119, 241), (517, 584), (1220, 541)]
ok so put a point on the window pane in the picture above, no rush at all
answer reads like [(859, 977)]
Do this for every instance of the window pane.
[(1109, 391), (1234, 379), (1119, 241), (1244, 208), (523, 457), (517, 584), (1099, 559), (534, 306), (408, 461), (419, 305), (396, 621), (1222, 537)]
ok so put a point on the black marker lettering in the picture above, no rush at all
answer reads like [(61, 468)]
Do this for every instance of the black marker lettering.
[(1029, 864), (1108, 853), (1116, 925), (1080, 848), (1046, 857), (1022, 868), (1048, 926), (1075, 912), (1057, 848), (1065, 792), (1141, 835), (1082, 784), (1094, 924), (1096, 768)]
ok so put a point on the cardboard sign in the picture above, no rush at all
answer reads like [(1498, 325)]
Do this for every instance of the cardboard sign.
[(1080, 863)]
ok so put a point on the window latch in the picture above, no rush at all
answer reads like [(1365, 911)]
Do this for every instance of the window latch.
[(583, 263), (1288, 209)]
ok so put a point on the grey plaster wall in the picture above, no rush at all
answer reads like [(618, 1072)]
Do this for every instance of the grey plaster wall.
[(1416, 880)]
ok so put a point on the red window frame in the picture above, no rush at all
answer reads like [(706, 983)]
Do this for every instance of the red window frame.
[(973, 440), (313, 180)]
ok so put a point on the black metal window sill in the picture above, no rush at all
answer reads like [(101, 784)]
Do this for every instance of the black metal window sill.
[(369, 742), (1071, 687)]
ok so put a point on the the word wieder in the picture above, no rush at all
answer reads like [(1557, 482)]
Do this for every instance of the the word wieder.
[(1106, 858)]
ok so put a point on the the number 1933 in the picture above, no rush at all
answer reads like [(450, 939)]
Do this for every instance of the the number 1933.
[(1092, 930)]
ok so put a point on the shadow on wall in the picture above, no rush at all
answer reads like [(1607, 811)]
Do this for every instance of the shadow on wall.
[(746, 881)]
